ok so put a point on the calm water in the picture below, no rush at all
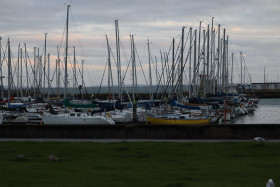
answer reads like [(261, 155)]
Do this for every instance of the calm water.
[(267, 112)]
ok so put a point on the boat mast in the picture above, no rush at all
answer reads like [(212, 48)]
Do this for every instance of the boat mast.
[(224, 61), (199, 58), (56, 63), (135, 72), (162, 68), (190, 66), (150, 72), (39, 72), (2, 89), (207, 70), (58, 74), (21, 92), (27, 75), (241, 71), (182, 64), (18, 71), (211, 56), (173, 68), (109, 68), (231, 68), (49, 86), (156, 73), (34, 74), (45, 61), (194, 64), (133, 68), (118, 59), (66, 56), (9, 71), (244, 74), (166, 65), (82, 76), (204, 60), (134, 78), (74, 77), (214, 65), (227, 64), (218, 58)]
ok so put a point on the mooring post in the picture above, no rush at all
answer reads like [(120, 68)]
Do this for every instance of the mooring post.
[(134, 106)]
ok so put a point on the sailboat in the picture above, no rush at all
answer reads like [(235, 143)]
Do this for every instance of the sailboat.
[(181, 119), (74, 118)]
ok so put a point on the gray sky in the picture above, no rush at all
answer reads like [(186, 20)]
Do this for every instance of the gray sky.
[(253, 27)]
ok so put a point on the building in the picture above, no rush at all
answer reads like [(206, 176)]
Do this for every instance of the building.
[(268, 86)]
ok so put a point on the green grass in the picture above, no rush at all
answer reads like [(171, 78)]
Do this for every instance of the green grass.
[(139, 164)]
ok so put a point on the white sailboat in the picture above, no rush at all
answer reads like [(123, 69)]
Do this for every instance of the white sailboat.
[(75, 118), (126, 115)]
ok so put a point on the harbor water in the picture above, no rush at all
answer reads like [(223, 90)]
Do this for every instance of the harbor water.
[(267, 112)]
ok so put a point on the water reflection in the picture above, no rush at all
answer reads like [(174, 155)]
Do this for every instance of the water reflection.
[(267, 112)]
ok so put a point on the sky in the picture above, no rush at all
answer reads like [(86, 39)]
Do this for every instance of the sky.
[(253, 27)]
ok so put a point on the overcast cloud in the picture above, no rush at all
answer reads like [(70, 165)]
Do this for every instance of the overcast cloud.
[(253, 27)]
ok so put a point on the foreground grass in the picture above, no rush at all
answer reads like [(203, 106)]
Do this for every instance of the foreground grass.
[(139, 164)]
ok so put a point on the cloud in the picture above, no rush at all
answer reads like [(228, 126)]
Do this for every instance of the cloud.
[(253, 27)]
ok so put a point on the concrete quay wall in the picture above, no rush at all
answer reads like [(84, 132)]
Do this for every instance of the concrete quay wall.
[(141, 131)]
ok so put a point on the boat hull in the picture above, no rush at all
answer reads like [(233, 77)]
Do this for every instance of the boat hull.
[(155, 120), (61, 120)]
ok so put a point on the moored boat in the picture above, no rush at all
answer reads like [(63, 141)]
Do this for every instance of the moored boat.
[(184, 119), (76, 119)]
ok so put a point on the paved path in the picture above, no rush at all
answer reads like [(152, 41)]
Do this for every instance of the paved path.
[(125, 140)]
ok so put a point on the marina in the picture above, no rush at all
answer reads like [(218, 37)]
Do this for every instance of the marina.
[(139, 93), (194, 85), (266, 112), (263, 122)]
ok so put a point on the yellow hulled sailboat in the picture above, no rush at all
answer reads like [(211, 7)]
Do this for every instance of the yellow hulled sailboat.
[(178, 120)]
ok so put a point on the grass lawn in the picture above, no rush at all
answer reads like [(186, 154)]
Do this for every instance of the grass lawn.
[(133, 164)]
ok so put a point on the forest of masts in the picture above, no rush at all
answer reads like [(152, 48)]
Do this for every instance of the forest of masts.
[(199, 60)]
